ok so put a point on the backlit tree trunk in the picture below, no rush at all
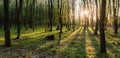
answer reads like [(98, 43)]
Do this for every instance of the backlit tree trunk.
[(115, 22), (50, 9), (96, 26), (102, 26), (6, 23), (73, 15)]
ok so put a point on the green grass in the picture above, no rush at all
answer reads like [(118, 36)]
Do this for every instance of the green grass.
[(78, 44), (35, 42), (29, 34)]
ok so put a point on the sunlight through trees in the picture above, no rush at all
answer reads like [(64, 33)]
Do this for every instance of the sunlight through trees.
[(59, 28)]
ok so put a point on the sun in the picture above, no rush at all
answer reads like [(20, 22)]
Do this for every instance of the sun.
[(84, 13)]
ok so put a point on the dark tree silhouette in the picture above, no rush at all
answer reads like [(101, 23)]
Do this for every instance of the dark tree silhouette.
[(116, 13), (60, 18), (19, 14), (102, 26), (50, 13), (6, 23)]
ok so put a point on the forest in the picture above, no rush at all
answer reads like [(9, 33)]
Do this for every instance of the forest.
[(59, 28)]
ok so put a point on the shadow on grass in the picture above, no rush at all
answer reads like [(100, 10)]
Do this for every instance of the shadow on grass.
[(110, 50), (30, 45), (113, 35), (76, 47)]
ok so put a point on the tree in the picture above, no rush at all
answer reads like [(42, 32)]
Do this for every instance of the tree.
[(26, 16), (68, 13), (85, 23), (91, 8), (115, 23), (32, 15), (19, 14), (118, 9), (73, 15), (50, 9), (102, 26), (96, 26), (60, 18), (6, 23)]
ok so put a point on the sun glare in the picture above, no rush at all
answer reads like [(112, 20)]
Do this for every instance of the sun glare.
[(84, 13)]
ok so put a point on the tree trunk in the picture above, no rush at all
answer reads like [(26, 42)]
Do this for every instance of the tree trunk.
[(115, 17), (50, 9), (102, 26), (60, 20), (68, 24), (26, 26), (7, 23), (19, 13), (96, 26), (73, 20)]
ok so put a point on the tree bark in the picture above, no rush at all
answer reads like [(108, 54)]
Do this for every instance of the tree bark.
[(73, 15), (115, 22), (19, 13), (6, 23), (50, 9), (60, 19), (96, 26), (68, 24), (102, 26)]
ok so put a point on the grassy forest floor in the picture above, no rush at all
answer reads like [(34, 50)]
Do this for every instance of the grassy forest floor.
[(78, 44)]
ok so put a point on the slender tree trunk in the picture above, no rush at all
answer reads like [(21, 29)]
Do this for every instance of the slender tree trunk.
[(50, 9), (19, 11), (68, 15), (115, 18), (33, 15), (26, 24), (102, 26), (92, 23), (6, 23), (60, 19), (110, 11), (85, 19), (73, 16), (96, 26), (118, 14)]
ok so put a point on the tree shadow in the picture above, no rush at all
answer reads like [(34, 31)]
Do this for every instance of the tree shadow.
[(78, 43), (75, 47), (114, 35), (96, 45), (111, 50)]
